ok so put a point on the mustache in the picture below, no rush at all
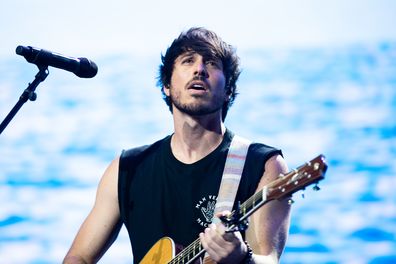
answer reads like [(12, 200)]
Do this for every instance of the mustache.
[(198, 78)]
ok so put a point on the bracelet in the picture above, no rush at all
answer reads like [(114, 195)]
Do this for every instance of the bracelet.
[(249, 255)]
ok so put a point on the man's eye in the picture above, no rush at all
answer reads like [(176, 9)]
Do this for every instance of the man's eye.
[(213, 63), (188, 60)]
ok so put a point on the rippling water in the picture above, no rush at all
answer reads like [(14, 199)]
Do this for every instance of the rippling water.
[(338, 101)]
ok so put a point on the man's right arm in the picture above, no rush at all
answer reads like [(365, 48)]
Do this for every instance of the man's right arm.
[(102, 225)]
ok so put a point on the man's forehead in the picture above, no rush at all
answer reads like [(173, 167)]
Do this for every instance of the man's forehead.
[(188, 53), (205, 55)]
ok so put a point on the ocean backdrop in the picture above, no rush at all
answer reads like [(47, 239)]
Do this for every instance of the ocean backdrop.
[(337, 100)]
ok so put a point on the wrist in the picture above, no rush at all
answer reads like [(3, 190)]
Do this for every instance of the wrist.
[(248, 259)]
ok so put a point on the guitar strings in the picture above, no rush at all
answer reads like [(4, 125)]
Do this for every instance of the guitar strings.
[(187, 251), (249, 203), (191, 249)]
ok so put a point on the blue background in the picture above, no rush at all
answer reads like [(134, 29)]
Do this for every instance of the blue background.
[(316, 79)]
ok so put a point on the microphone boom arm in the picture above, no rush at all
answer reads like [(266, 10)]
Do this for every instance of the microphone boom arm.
[(28, 94)]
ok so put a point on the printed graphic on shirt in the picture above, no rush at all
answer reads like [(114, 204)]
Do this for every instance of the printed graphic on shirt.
[(206, 207)]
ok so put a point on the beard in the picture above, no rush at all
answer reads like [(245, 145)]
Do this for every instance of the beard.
[(197, 108)]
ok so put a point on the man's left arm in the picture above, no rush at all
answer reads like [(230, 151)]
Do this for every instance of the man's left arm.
[(269, 226)]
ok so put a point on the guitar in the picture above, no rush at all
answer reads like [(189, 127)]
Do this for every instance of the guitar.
[(164, 250)]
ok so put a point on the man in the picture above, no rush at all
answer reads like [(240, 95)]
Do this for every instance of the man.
[(169, 188)]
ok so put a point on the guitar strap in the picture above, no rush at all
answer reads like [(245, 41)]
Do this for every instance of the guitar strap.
[(231, 175)]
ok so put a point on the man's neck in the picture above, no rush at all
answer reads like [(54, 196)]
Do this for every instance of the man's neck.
[(196, 137)]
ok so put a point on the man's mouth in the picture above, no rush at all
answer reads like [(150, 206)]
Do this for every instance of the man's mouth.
[(201, 86)]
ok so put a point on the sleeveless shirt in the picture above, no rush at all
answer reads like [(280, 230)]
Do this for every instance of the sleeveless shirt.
[(160, 196)]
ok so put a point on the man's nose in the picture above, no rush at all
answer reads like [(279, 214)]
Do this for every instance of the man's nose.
[(200, 69)]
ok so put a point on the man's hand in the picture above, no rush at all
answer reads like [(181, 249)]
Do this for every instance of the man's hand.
[(223, 247)]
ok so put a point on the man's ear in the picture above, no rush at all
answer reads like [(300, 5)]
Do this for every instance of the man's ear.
[(228, 96), (165, 88)]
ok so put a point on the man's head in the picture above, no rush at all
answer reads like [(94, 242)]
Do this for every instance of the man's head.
[(207, 44)]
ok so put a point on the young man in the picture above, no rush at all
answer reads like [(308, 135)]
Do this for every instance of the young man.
[(170, 187)]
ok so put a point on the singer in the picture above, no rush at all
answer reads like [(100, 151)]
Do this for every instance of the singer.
[(170, 188)]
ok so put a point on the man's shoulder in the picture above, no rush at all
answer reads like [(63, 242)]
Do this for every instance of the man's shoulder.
[(261, 148), (260, 152), (136, 154), (257, 150)]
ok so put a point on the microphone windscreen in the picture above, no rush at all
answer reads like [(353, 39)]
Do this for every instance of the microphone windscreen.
[(87, 69)]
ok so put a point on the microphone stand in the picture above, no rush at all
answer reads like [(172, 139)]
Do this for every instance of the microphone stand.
[(28, 94)]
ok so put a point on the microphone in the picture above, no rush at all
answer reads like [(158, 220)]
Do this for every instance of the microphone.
[(82, 67)]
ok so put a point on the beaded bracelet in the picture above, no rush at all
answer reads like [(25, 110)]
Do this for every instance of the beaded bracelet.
[(249, 255)]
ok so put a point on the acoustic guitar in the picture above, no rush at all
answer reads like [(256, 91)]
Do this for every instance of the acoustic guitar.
[(165, 250)]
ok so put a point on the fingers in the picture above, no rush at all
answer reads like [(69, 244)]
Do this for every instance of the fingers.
[(229, 236), (222, 246), (219, 244), (213, 242), (223, 213), (214, 233)]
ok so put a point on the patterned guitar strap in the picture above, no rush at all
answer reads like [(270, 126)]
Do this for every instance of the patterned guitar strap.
[(232, 173)]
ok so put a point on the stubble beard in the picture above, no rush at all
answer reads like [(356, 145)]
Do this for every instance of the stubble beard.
[(197, 109)]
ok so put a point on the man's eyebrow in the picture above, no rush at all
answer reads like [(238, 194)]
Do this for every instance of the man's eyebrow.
[(206, 57), (187, 54)]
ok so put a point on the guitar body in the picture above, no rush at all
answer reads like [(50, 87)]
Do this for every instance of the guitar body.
[(161, 252), (164, 250)]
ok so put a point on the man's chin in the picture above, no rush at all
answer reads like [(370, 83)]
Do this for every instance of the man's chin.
[(197, 111)]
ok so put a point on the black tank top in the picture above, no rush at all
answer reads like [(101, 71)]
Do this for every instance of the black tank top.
[(161, 196)]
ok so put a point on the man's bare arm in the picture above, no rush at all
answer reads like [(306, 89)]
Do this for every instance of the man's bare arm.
[(102, 225), (269, 226)]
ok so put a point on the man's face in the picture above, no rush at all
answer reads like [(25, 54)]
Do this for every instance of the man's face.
[(197, 84)]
